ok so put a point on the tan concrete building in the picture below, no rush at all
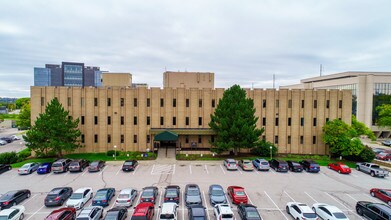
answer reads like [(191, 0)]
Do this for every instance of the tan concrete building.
[(188, 80), (131, 118), (116, 79), (365, 86)]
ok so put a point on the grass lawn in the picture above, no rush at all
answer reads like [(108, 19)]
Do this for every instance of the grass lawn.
[(39, 160), (9, 116)]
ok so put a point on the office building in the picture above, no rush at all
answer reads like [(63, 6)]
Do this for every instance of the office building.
[(200, 80)]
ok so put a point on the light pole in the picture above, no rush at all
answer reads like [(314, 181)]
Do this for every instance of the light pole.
[(271, 152), (115, 152)]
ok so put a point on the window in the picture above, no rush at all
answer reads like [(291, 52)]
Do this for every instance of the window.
[(135, 120), (96, 120), (277, 103), (327, 119), (81, 101), (327, 103), (42, 101), (340, 104), (200, 103), (313, 139), (95, 102), (148, 120), (82, 120), (108, 138), (122, 102), (315, 103), (69, 101), (95, 138), (314, 122), (135, 138), (187, 139), (290, 103), (264, 103), (161, 120), (82, 138), (302, 103), (148, 102), (199, 121), (276, 122), (148, 139), (301, 139), (122, 139), (264, 137), (135, 102), (174, 103), (122, 120), (199, 139), (276, 139), (263, 121), (187, 121), (187, 103), (161, 102), (212, 139), (213, 103), (173, 120), (301, 121), (289, 121), (108, 101), (289, 139), (108, 120)]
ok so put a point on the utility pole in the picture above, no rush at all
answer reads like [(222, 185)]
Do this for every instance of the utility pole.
[(321, 70), (274, 81)]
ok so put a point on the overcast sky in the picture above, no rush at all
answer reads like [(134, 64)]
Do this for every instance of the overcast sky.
[(242, 42)]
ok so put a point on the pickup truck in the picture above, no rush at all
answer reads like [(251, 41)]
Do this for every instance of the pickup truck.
[(372, 169)]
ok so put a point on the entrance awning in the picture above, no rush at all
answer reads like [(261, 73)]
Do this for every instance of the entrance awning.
[(184, 131), (166, 136)]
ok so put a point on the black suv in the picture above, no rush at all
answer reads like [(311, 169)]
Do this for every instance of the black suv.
[(373, 210), (279, 165), (58, 196), (294, 166), (129, 165), (310, 166), (197, 212), (119, 213), (61, 165), (78, 165), (9, 140)]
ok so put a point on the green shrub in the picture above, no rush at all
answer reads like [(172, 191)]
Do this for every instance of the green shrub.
[(263, 149), (8, 157), (112, 152), (22, 155), (366, 155)]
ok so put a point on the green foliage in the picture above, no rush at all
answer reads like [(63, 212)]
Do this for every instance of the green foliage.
[(366, 155), (23, 119), (112, 152), (54, 131), (21, 101), (9, 116), (234, 122), (8, 157), (263, 149), (384, 115), (11, 107), (362, 129), (338, 135), (25, 153)]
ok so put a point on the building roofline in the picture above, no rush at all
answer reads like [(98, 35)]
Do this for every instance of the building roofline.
[(341, 75)]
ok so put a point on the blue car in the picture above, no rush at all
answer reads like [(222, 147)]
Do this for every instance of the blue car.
[(45, 168), (103, 197)]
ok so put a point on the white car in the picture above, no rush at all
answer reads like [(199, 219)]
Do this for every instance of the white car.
[(3, 142), (14, 137), (223, 212), (14, 213), (329, 212), (300, 211), (230, 164), (79, 198), (126, 197), (91, 213), (169, 211)]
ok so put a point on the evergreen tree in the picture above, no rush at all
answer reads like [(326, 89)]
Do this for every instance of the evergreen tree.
[(234, 122), (54, 131)]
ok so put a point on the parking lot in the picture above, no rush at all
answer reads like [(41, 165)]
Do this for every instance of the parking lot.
[(269, 191)]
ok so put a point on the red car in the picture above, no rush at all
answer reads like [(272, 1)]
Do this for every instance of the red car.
[(62, 214), (383, 156), (339, 167), (382, 194), (237, 195), (143, 211)]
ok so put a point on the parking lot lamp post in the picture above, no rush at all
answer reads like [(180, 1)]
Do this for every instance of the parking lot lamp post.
[(115, 152), (271, 152)]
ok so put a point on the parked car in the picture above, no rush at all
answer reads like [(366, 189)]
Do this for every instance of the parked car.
[(91, 213), (2, 142), (279, 165), (372, 169), (193, 195), (196, 212), (172, 194), (103, 197), (339, 167), (12, 198), (310, 166), (7, 139), (13, 213), (61, 165), (149, 194), (116, 213), (96, 166), (261, 164), (216, 195), (237, 195), (129, 165), (382, 194), (300, 211), (45, 168), (62, 214), (329, 212), (14, 137), (294, 166), (246, 165), (378, 150), (386, 142), (373, 211), (57, 196), (79, 198), (230, 164), (126, 197), (223, 212), (169, 211), (384, 156), (28, 168), (4, 168), (248, 212), (144, 211), (78, 165)]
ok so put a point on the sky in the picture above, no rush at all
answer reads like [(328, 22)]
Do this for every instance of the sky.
[(242, 42)]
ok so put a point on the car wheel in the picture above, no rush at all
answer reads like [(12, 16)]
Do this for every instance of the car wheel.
[(62, 202), (9, 168), (30, 171), (389, 203), (91, 195), (339, 171), (21, 216), (372, 174), (313, 209), (287, 210), (14, 204), (82, 169), (81, 205), (329, 167), (358, 168), (373, 194), (28, 195), (359, 211)]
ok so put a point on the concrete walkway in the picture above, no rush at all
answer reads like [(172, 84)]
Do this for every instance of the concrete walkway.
[(166, 156)]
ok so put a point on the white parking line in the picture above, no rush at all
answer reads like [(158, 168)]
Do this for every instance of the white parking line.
[(29, 199), (310, 197), (51, 173), (342, 204), (251, 202), (102, 171), (351, 197), (153, 167), (206, 169), (66, 174), (206, 204), (173, 172), (371, 198), (118, 171), (138, 199), (289, 196), (240, 171), (222, 169), (135, 169), (85, 171), (190, 169), (159, 205), (36, 212), (183, 206), (275, 205)]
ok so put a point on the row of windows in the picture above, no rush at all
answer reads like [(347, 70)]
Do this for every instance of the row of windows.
[(289, 139), (135, 121), (314, 121), (315, 103), (148, 138)]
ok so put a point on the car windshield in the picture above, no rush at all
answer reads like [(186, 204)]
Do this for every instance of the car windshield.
[(240, 193), (171, 193), (26, 166), (44, 165), (74, 164), (77, 196), (340, 215), (123, 196), (193, 192), (232, 163), (309, 215), (166, 216), (218, 192), (111, 216), (147, 194), (247, 162), (226, 216), (252, 214), (100, 195), (6, 197), (344, 166), (264, 163), (82, 218), (128, 163), (198, 218), (94, 163), (57, 165), (3, 217)]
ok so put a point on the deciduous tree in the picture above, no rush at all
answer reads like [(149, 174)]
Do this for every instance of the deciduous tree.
[(24, 116), (384, 115)]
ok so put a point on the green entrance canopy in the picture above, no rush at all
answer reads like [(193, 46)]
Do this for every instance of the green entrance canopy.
[(166, 136)]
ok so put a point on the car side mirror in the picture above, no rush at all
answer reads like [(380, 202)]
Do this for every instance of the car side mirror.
[(160, 207)]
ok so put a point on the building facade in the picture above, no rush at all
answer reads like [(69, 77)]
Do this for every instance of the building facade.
[(201, 80), (130, 118)]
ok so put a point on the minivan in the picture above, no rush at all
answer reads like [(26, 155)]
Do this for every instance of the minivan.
[(279, 165), (61, 165)]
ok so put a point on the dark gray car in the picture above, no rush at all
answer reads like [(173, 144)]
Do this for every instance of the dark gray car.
[(217, 195), (193, 195)]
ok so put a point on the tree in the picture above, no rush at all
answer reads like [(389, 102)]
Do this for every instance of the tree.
[(263, 149), (11, 107), (21, 101), (234, 122), (54, 131), (384, 115), (362, 129), (23, 119)]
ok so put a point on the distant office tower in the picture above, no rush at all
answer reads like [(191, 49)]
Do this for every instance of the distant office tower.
[(42, 76)]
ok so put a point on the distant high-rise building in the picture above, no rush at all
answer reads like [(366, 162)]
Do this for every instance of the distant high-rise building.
[(42, 76)]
